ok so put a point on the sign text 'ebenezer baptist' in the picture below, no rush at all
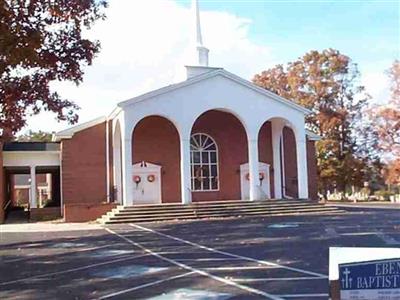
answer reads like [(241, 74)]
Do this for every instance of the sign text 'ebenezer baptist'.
[(371, 280)]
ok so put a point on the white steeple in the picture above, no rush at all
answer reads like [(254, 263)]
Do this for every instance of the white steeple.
[(202, 52)]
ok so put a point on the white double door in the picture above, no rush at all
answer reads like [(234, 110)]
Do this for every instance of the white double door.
[(264, 181), (146, 179)]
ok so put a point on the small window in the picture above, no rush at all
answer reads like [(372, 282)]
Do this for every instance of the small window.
[(204, 163)]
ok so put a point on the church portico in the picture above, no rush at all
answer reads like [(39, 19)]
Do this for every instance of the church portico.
[(211, 137)]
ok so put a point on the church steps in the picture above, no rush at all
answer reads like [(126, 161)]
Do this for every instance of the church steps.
[(215, 210), (209, 210), (217, 216), (238, 203)]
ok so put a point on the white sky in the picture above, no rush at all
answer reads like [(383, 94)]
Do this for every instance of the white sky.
[(145, 45)]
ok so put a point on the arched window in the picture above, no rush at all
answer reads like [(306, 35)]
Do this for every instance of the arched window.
[(204, 163)]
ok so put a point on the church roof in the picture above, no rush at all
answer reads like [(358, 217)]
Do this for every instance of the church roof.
[(207, 75)]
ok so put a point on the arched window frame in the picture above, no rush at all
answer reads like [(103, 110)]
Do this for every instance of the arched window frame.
[(210, 166)]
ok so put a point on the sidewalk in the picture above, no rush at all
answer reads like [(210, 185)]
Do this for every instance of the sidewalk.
[(48, 227), (379, 205)]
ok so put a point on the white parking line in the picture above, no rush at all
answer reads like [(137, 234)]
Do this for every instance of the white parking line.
[(71, 270), (144, 285), (275, 279), (207, 259), (264, 262), (198, 271), (331, 233), (242, 268), (304, 295), (387, 239)]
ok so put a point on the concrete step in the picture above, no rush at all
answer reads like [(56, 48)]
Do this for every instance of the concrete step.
[(217, 209), (214, 210), (219, 216), (160, 208)]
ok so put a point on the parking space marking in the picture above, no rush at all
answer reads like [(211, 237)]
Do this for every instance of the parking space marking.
[(264, 262), (208, 259), (30, 256), (387, 239), (304, 295), (198, 271), (275, 279), (71, 270), (144, 286), (331, 233), (242, 268)]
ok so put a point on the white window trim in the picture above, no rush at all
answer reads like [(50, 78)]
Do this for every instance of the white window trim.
[(208, 164)]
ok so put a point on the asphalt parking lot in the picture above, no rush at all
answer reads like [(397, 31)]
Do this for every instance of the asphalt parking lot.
[(241, 258)]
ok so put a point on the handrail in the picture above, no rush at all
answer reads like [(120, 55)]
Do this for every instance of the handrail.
[(7, 204)]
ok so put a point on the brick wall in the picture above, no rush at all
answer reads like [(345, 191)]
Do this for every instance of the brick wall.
[(81, 212), (2, 185), (83, 166), (231, 139), (290, 162), (265, 153), (156, 140), (312, 171)]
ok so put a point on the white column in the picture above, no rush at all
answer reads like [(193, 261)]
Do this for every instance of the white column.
[(33, 203), (186, 193), (302, 173), (126, 153), (254, 169), (277, 128)]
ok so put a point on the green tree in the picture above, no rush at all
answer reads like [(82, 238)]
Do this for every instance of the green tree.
[(40, 42), (35, 136), (326, 82)]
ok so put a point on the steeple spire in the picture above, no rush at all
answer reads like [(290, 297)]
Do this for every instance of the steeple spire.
[(202, 52)]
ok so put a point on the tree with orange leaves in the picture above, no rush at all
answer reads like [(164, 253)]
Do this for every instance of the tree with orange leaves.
[(326, 82), (387, 122), (40, 42)]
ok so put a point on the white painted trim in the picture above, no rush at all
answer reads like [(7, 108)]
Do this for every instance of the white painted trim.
[(68, 133), (61, 186), (312, 136), (29, 158), (244, 170), (150, 168), (114, 113), (218, 72), (107, 163), (32, 152)]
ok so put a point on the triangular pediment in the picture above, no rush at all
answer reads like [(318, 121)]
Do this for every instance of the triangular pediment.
[(221, 73)]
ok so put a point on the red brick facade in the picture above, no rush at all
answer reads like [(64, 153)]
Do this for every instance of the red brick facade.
[(160, 134), (265, 153), (156, 140), (2, 185), (231, 139), (84, 172), (86, 212), (290, 163), (312, 171)]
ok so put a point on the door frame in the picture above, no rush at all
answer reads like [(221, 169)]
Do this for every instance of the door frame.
[(148, 169)]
